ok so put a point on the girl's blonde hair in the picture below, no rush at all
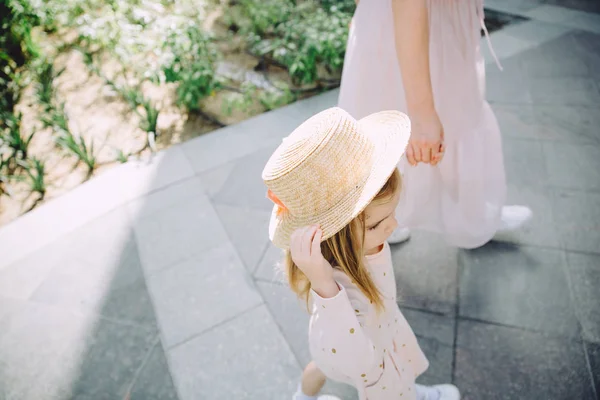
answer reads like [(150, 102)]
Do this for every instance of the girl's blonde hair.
[(345, 251)]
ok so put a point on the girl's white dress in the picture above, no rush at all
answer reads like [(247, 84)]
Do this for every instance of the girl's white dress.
[(462, 197)]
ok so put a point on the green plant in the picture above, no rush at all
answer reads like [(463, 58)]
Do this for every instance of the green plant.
[(149, 124), (121, 156), (345, 6), (13, 138), (312, 39), (12, 81), (45, 75), (273, 99), (65, 139), (35, 171), (78, 147), (17, 20), (192, 64), (261, 17), (136, 100), (241, 100), (300, 37), (55, 118)]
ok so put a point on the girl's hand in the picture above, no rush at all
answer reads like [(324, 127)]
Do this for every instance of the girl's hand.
[(426, 142), (305, 248)]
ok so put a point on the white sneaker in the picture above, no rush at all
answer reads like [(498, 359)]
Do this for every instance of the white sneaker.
[(438, 392), (399, 235), (512, 219)]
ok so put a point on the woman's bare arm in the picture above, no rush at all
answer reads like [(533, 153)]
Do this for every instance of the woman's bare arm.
[(411, 30)]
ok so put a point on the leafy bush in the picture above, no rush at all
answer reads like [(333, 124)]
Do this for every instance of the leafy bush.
[(191, 62), (301, 36)]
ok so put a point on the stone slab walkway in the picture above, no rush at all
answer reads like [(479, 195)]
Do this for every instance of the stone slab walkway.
[(156, 280)]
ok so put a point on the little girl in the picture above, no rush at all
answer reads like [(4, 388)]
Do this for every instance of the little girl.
[(335, 186)]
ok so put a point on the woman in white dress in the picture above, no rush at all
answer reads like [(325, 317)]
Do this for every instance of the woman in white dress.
[(462, 194)]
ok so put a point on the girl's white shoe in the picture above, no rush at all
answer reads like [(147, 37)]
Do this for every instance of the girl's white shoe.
[(438, 392)]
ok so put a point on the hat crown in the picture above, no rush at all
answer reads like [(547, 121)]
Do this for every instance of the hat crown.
[(319, 163)]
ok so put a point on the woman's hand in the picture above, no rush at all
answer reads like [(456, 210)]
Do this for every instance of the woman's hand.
[(305, 247), (426, 142)]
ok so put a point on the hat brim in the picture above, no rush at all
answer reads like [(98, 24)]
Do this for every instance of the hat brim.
[(389, 131)]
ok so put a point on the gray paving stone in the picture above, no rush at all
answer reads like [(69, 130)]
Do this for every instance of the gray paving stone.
[(435, 334), (116, 264), (100, 273), (578, 214), (573, 166), (56, 354), (167, 167), (8, 308), (291, 315), (581, 5), (553, 14), (494, 362), (587, 44), (537, 32), (245, 186), (586, 21), (518, 121), (31, 340), (214, 179), (426, 273), (518, 286), (556, 58), (202, 292), (574, 124), (178, 233), (248, 230), (584, 271), (513, 6), (593, 352), (431, 326), (166, 198), (128, 303), (102, 366), (245, 358), (524, 162), (541, 229), (12, 383), (441, 357), (154, 381), (271, 265), (22, 278), (564, 90), (505, 46), (266, 130), (42, 226), (508, 86), (304, 109)]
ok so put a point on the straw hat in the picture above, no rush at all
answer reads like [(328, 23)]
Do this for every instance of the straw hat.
[(328, 170)]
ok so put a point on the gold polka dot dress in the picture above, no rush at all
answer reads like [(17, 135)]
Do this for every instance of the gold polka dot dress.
[(350, 342)]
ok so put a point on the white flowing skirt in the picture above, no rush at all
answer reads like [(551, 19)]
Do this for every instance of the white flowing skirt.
[(461, 198)]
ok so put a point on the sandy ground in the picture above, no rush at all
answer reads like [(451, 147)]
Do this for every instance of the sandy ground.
[(99, 115)]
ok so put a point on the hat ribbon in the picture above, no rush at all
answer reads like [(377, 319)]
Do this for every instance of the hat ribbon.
[(280, 206)]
